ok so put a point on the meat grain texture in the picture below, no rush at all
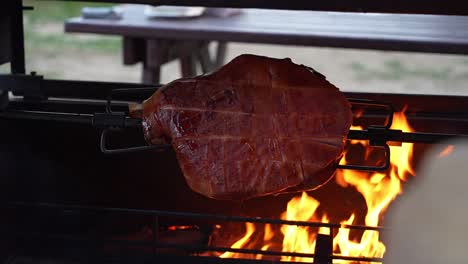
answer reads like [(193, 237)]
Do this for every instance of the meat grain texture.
[(257, 126)]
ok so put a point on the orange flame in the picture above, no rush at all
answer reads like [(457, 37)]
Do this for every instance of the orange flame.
[(300, 238), (378, 191), (250, 228)]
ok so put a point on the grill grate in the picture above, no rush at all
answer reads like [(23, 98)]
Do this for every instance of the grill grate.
[(32, 235)]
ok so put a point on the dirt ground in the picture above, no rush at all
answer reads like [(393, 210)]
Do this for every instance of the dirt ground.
[(351, 70)]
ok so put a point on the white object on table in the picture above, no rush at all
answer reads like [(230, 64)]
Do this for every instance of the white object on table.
[(173, 11)]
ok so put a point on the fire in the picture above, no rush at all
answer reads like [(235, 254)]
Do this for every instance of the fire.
[(300, 238), (377, 189), (241, 242)]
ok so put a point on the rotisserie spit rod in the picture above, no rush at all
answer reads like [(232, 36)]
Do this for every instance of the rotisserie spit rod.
[(377, 135)]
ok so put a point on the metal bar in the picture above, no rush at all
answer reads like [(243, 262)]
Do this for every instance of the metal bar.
[(387, 106), (17, 37), (378, 136), (384, 167), (416, 137), (48, 116), (143, 92), (86, 89), (160, 245), (237, 250), (192, 247), (386, 135), (435, 106), (97, 119), (213, 260), (408, 137), (155, 234), (216, 260), (4, 100), (357, 258), (106, 150), (161, 213), (323, 249), (156, 213)]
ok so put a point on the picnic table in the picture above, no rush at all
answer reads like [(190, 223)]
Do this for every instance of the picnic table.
[(155, 42)]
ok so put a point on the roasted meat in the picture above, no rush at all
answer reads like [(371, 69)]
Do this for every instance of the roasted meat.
[(255, 127)]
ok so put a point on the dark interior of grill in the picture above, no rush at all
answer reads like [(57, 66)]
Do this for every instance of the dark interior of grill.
[(75, 189)]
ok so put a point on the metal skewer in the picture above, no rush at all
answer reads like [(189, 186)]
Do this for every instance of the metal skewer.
[(108, 121)]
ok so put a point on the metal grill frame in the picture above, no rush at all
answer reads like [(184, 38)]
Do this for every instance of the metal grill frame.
[(324, 245), (18, 67)]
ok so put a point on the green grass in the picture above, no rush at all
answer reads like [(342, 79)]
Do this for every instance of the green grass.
[(66, 43), (48, 13), (55, 11), (393, 70)]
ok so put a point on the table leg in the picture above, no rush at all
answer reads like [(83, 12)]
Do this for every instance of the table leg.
[(133, 50), (204, 57), (210, 63), (137, 50), (153, 53), (151, 75), (188, 66), (220, 54), (156, 55)]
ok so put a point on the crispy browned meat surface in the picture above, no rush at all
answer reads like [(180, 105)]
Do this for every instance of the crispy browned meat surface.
[(257, 126)]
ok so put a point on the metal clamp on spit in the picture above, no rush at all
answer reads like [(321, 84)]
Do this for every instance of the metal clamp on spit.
[(112, 121), (377, 135), (109, 121)]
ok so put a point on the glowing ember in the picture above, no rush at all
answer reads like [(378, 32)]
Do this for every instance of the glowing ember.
[(173, 228), (377, 189)]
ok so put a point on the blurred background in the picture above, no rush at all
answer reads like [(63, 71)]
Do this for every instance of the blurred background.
[(59, 55)]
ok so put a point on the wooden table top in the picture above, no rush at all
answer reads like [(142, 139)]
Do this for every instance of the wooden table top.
[(401, 32)]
